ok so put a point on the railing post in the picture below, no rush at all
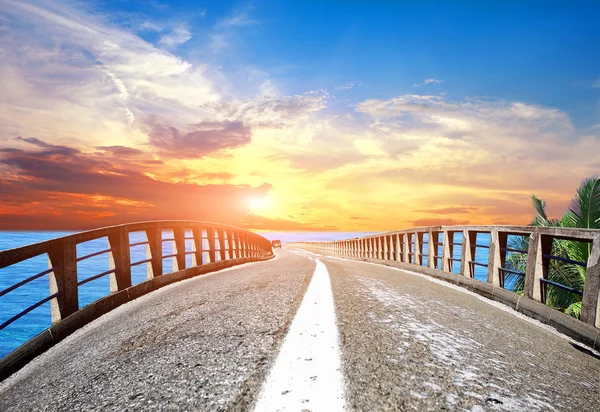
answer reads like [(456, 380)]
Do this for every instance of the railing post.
[(231, 244), (63, 280), (406, 248), (398, 250), (238, 239), (537, 266), (446, 251), (385, 247), (431, 250), (221, 236), (178, 247), (590, 305), (197, 256), (465, 266), (417, 247), (154, 252), (212, 253), (495, 258), (119, 260), (247, 245), (245, 251)]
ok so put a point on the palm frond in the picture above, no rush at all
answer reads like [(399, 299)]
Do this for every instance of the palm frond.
[(574, 310), (541, 219), (584, 210)]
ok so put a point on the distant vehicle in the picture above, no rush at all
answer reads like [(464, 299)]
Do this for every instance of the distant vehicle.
[(276, 243)]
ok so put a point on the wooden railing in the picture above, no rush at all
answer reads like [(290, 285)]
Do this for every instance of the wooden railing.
[(443, 252), (211, 247)]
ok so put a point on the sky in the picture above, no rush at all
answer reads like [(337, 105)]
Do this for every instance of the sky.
[(295, 115)]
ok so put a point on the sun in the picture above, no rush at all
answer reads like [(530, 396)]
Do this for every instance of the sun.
[(258, 205)]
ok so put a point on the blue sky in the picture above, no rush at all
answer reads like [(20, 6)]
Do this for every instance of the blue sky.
[(543, 52), (295, 114)]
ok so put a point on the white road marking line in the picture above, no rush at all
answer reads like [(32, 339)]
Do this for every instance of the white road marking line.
[(307, 372)]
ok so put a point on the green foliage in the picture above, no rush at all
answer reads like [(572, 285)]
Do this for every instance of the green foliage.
[(583, 212), (574, 310)]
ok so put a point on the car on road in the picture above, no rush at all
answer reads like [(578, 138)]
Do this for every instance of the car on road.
[(276, 243)]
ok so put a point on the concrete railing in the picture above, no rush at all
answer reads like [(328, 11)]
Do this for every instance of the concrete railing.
[(213, 247), (406, 247)]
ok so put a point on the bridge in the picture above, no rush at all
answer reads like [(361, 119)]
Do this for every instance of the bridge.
[(418, 319)]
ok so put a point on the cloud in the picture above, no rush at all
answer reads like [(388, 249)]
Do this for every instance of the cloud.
[(120, 151), (438, 222), (149, 25), (428, 81), (69, 75), (450, 210), (177, 35), (226, 29), (61, 187), (66, 72), (271, 111), (346, 86), (201, 139)]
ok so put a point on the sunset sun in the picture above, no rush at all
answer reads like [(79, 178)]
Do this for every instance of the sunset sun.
[(258, 205)]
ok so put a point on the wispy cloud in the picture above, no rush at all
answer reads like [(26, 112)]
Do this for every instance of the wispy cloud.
[(346, 86), (225, 30), (428, 81), (176, 36)]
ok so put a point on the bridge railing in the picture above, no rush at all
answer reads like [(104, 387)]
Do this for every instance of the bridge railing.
[(437, 247), (211, 246)]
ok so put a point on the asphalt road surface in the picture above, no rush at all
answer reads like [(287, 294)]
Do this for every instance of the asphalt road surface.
[(310, 333)]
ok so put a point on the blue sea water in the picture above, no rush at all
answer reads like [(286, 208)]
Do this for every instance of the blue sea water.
[(39, 319)]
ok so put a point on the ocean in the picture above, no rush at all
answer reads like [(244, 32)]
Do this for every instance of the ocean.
[(39, 319)]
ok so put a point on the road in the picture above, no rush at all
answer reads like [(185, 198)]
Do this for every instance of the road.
[(354, 336)]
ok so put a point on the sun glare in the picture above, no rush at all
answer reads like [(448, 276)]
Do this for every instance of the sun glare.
[(258, 205)]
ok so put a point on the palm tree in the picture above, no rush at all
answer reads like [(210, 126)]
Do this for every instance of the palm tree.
[(583, 212)]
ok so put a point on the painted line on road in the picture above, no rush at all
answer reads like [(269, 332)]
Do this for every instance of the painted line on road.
[(307, 372)]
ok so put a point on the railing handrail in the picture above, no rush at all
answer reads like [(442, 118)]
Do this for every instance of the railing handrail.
[(565, 233), (12, 256)]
